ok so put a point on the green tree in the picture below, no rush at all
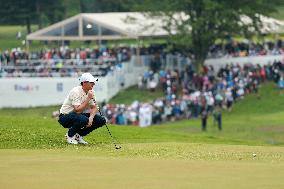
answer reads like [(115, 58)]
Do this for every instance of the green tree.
[(72, 7), (92, 6), (54, 10), (17, 12), (27, 12), (205, 21)]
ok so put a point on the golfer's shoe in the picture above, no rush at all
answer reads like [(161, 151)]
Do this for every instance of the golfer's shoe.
[(80, 139), (71, 140)]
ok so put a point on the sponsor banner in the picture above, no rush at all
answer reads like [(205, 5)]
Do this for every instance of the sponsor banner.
[(32, 92)]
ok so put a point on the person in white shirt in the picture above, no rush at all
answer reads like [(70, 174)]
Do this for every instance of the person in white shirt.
[(145, 115), (73, 111)]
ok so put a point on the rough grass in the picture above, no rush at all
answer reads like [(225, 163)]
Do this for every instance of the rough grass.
[(129, 95)]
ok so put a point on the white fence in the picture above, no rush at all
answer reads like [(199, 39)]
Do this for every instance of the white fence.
[(261, 60), (180, 62), (29, 92)]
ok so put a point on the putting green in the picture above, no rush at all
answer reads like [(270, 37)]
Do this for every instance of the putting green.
[(81, 167)]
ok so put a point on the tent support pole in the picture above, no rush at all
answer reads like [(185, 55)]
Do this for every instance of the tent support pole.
[(138, 62)]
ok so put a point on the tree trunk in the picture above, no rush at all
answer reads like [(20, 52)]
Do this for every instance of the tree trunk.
[(39, 15), (200, 48), (198, 65), (82, 7), (28, 24)]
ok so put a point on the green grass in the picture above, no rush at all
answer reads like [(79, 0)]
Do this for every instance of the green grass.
[(144, 166), (8, 37), (171, 155), (129, 95), (253, 121)]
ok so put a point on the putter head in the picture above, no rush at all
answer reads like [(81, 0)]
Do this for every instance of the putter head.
[(117, 147)]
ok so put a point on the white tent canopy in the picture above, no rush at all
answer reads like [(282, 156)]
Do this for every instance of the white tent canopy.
[(112, 26), (101, 26)]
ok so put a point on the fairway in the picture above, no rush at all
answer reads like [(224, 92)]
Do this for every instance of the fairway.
[(193, 166)]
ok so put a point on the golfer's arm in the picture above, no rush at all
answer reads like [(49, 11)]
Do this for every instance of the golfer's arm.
[(80, 108), (93, 111)]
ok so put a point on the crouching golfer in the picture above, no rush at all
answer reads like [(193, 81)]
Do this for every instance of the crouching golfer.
[(73, 111)]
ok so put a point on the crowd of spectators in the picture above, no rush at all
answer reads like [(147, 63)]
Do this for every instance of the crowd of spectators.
[(67, 62), (190, 95), (61, 62), (64, 52), (247, 48)]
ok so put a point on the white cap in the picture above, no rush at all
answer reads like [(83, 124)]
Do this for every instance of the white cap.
[(87, 77)]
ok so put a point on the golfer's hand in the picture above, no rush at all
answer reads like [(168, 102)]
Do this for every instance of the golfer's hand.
[(90, 122), (90, 94)]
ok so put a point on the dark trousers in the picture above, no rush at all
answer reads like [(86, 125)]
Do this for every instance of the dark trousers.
[(219, 121), (203, 123), (77, 123)]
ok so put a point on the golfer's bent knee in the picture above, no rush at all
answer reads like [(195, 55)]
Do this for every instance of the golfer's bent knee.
[(100, 121), (83, 120), (103, 120)]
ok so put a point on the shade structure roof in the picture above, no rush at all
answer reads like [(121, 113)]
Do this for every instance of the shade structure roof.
[(127, 25), (102, 26)]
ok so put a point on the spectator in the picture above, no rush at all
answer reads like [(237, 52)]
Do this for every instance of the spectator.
[(217, 117), (204, 116), (280, 85)]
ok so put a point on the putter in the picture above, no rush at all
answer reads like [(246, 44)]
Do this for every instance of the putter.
[(117, 147)]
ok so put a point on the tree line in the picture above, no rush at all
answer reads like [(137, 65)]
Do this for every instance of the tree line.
[(46, 12), (203, 21)]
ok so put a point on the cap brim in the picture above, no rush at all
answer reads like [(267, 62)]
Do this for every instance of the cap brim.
[(93, 80)]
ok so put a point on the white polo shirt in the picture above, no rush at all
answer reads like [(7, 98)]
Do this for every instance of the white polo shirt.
[(75, 97)]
